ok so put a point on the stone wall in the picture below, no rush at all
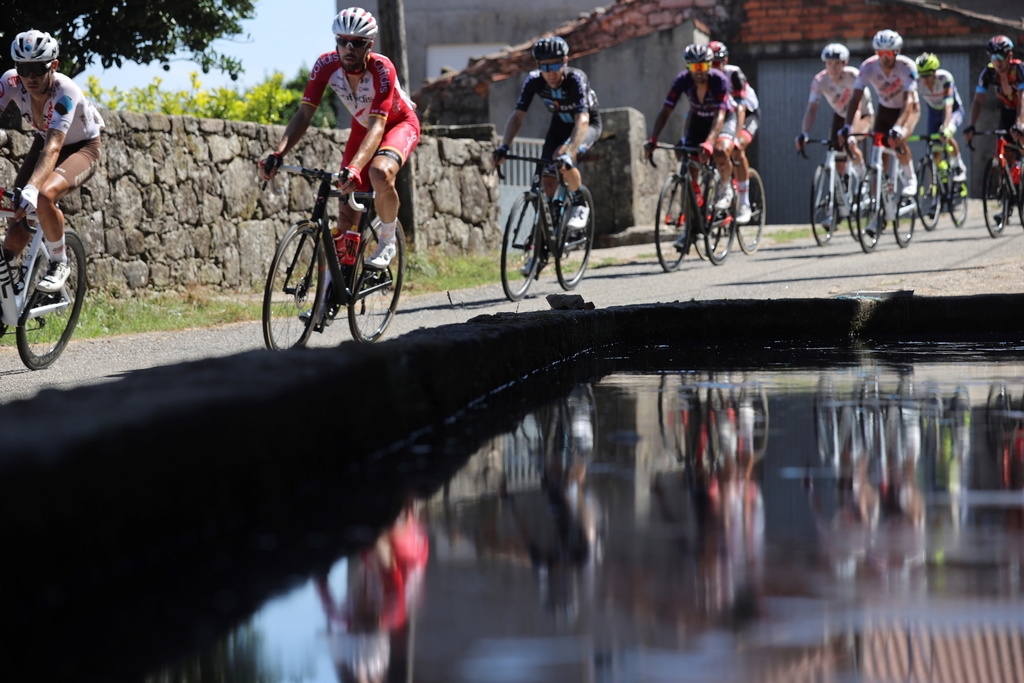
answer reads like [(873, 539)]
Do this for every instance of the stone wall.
[(176, 201)]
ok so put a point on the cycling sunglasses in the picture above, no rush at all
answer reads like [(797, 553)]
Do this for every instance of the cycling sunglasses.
[(548, 68), (998, 58), (884, 53), (353, 43), (699, 67), (32, 68)]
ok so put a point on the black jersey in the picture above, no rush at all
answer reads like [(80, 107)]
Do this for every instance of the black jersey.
[(573, 95)]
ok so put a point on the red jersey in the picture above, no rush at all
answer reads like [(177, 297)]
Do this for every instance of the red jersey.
[(378, 92)]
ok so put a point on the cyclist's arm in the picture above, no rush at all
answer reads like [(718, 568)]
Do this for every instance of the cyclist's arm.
[(809, 115), (910, 112), (296, 128), (371, 141), (579, 130), (512, 126), (851, 109), (716, 127), (47, 157), (660, 120)]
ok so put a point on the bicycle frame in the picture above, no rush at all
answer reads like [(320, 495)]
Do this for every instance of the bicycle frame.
[(937, 191), (839, 200), (14, 296), (1001, 193), (880, 200)]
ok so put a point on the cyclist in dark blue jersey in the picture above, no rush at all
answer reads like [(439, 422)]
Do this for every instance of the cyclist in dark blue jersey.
[(711, 120), (575, 121)]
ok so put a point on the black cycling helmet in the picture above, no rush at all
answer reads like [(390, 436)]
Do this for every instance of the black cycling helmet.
[(718, 50), (696, 53), (1000, 45), (550, 48)]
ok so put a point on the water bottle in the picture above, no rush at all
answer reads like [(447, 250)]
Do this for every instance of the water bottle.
[(347, 245), (698, 194), (943, 170), (1015, 173)]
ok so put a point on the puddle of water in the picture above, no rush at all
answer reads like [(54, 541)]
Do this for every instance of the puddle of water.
[(859, 524)]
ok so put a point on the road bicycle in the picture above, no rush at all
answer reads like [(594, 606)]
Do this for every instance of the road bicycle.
[(308, 283), (1001, 187), (538, 229), (880, 201), (43, 321), (685, 217), (832, 195), (937, 191)]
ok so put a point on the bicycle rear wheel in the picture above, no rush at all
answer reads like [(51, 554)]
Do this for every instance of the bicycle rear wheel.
[(49, 319), (904, 217), (719, 236), (957, 202), (749, 234), (869, 223), (995, 199), (573, 252), (823, 213), (672, 223), (928, 194), (375, 292), (521, 246), (294, 288)]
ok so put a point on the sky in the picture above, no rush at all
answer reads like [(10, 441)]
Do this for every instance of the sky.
[(281, 38)]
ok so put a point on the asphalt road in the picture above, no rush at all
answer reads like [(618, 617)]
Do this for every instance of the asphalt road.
[(948, 261)]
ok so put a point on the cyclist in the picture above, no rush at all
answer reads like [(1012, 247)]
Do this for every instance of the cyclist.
[(1006, 75), (945, 109), (575, 122), (747, 121), (894, 78), (385, 129), (710, 122), (64, 153), (835, 83)]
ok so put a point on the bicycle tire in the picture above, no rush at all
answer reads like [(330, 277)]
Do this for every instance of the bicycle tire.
[(375, 292), (42, 338), (573, 250), (822, 206), (749, 234), (957, 202), (521, 246), (905, 218), (929, 194), (294, 288), (1020, 203), (672, 223), (867, 212), (995, 202)]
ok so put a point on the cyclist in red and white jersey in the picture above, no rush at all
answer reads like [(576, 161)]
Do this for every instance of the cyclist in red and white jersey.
[(65, 150), (385, 128), (894, 79), (748, 118), (1006, 75), (835, 84)]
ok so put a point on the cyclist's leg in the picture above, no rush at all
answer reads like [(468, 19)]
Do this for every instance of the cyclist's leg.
[(741, 168), (573, 178), (723, 161)]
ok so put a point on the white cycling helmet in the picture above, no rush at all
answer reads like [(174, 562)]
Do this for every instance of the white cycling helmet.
[(34, 46), (835, 51), (355, 21), (887, 39)]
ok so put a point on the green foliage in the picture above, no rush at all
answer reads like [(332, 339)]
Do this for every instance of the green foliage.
[(117, 31)]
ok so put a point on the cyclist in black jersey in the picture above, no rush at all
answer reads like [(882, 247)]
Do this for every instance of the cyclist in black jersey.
[(1006, 75), (575, 121)]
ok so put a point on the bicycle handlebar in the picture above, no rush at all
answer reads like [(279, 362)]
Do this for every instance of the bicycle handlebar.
[(997, 131), (520, 157), (321, 175), (815, 141), (8, 212), (685, 149)]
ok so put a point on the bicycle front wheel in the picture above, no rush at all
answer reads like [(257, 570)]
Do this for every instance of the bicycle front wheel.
[(719, 236), (294, 288), (49, 319), (928, 194), (995, 199), (957, 202), (375, 292), (672, 224), (869, 221), (749, 234), (822, 207), (904, 217), (521, 246), (573, 251)]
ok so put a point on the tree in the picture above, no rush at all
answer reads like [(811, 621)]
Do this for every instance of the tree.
[(118, 31)]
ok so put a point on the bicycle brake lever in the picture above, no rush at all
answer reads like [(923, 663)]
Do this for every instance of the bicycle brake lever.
[(356, 206)]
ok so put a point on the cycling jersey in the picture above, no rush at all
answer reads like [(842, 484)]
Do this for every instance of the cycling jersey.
[(572, 96), (742, 92), (66, 110), (378, 93), (715, 99), (944, 89), (891, 86), (837, 94), (1008, 96)]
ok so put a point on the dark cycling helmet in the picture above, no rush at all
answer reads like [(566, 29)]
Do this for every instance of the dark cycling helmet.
[(34, 46), (697, 53), (355, 21), (835, 51), (887, 39), (550, 48), (719, 51), (1000, 45), (927, 64)]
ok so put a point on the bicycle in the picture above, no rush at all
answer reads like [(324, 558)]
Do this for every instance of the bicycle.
[(44, 321), (1001, 185), (936, 189), (831, 195), (683, 212), (538, 229), (880, 201), (308, 284)]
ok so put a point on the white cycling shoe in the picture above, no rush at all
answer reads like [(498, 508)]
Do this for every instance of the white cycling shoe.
[(382, 255), (56, 275), (743, 214)]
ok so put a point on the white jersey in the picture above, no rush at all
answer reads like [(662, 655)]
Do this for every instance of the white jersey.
[(889, 87), (837, 94), (936, 97), (67, 110)]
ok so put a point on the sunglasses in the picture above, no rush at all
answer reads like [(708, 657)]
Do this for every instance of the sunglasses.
[(699, 67), (999, 58), (886, 53), (353, 43), (548, 68), (32, 68)]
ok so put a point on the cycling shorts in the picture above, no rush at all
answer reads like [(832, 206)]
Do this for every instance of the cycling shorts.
[(936, 116), (885, 118), (751, 123), (76, 163), (400, 139), (560, 132), (698, 131)]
